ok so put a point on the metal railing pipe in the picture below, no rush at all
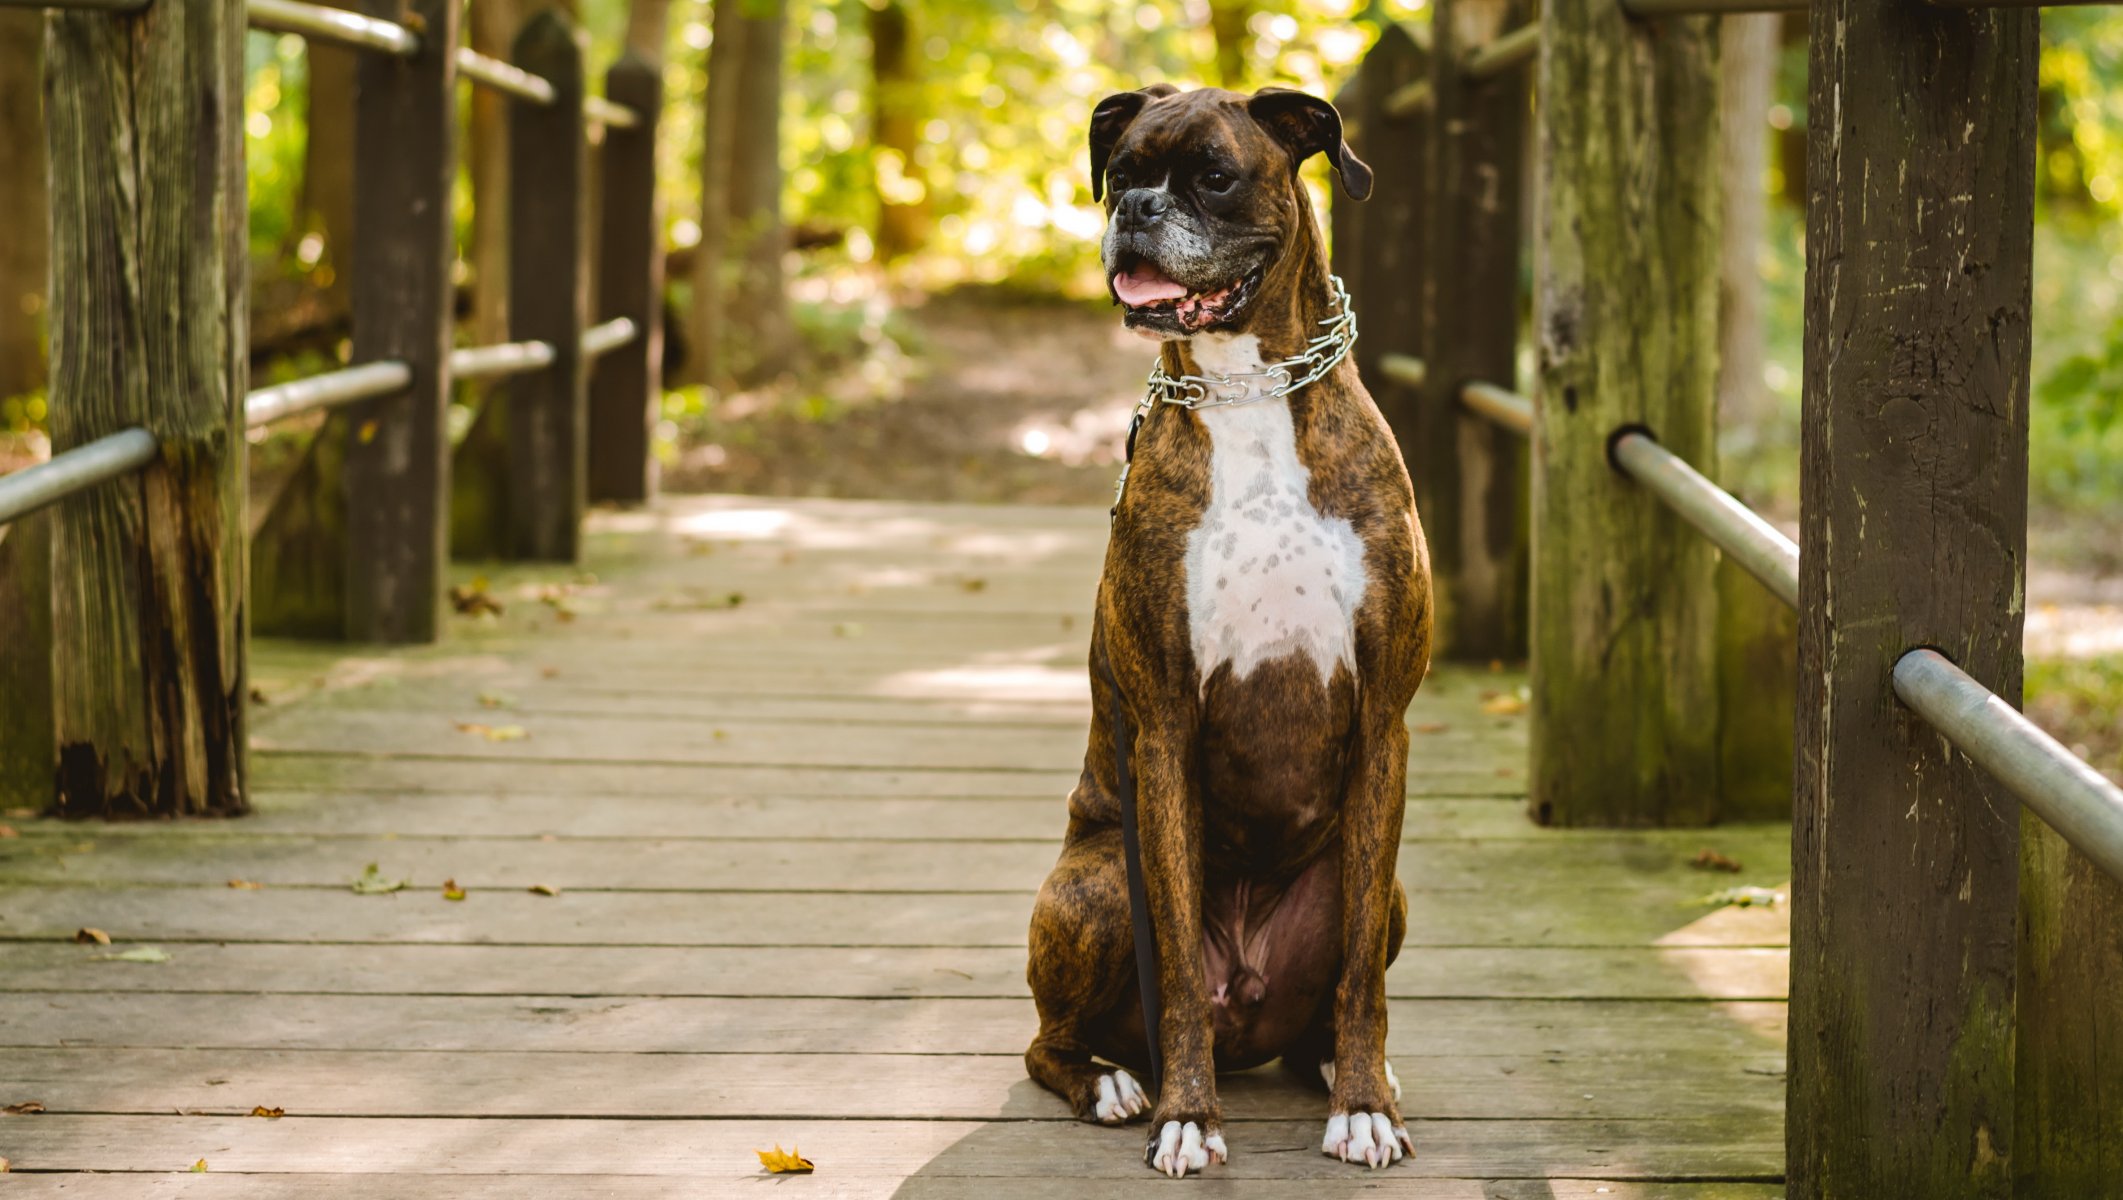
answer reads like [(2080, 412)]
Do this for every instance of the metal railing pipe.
[(611, 335), (31, 488), (2061, 789), (503, 77), (605, 112), (1501, 405), (329, 390), (1507, 51), (1405, 369), (503, 358), (320, 22), (1757, 546)]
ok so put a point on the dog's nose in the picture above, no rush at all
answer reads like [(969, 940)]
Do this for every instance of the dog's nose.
[(1143, 207)]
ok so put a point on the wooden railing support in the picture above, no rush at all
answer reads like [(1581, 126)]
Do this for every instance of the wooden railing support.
[(1468, 484), (626, 385), (144, 116), (1384, 259), (1624, 611), (548, 298), (1913, 501), (28, 747)]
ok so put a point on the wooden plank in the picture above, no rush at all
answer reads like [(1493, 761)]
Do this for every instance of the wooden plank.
[(850, 1152), (1626, 313), (1617, 866), (1421, 972), (1469, 486), (397, 452), (29, 749), (626, 385), (144, 119), (548, 298), (1540, 913), (209, 1186), (1913, 490), (829, 1086)]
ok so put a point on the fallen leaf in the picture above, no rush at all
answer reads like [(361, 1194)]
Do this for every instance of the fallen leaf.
[(548, 672), (1743, 897), (270, 1114), (9, 831), (474, 600), (784, 1162), (138, 954), (199, 1168), (973, 584), (494, 733), (23, 1109), (1707, 859), (450, 890), (563, 615), (721, 734), (88, 934), (1431, 727), (1503, 704), (372, 882), (258, 696), (544, 889), (548, 837), (245, 885), (5, 1166), (494, 700)]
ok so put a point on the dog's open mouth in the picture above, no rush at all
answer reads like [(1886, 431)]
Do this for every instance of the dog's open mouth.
[(1156, 300)]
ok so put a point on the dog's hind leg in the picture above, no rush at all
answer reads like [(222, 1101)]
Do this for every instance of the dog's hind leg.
[(1081, 967)]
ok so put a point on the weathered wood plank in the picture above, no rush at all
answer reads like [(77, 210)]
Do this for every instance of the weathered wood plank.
[(144, 120), (29, 749), (850, 1152), (1913, 491), (852, 972), (626, 385), (1626, 317)]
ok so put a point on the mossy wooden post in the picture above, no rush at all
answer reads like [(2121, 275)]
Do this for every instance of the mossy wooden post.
[(1385, 292), (548, 298), (626, 384), (144, 116), (2069, 1114), (1624, 612), (1913, 495), (28, 748), (1466, 469)]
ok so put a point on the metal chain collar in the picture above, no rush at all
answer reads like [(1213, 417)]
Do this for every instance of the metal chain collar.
[(1320, 355)]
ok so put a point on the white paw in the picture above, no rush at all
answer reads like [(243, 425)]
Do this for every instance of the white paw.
[(1393, 1081), (1368, 1138), (1182, 1148), (1120, 1098)]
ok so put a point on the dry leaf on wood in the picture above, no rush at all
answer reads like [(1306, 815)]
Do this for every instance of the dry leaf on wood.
[(543, 889), (5, 1166), (372, 882), (493, 700), (258, 696), (245, 885), (494, 733), (473, 599), (1743, 897), (89, 935), (199, 1168), (1503, 704), (1431, 727), (1707, 859), (270, 1114), (23, 1109), (784, 1162), (138, 954), (450, 890), (9, 831)]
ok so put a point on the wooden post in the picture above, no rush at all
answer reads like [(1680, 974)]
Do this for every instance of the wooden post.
[(1466, 469), (626, 385), (548, 298), (1345, 217), (144, 115), (397, 448), (1624, 610), (2069, 1114), (1913, 495), (28, 748), (1385, 290)]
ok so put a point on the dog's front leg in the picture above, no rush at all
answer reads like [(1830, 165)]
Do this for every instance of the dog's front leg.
[(1364, 1119), (1186, 1129)]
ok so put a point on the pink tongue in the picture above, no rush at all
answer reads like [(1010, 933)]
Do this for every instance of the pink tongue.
[(1145, 284)]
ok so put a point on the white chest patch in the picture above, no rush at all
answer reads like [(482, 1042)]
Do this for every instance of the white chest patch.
[(1267, 575)]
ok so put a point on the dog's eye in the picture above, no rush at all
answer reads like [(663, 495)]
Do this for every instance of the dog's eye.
[(1116, 180), (1216, 181)]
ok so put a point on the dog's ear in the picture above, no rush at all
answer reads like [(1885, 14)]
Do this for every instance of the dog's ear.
[(1308, 125), (1110, 120)]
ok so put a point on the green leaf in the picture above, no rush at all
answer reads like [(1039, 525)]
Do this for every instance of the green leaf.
[(372, 882)]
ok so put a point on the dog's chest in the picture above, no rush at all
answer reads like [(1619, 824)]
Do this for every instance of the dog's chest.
[(1267, 575)]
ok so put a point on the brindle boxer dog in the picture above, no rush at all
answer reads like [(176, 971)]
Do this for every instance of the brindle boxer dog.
[(1262, 623)]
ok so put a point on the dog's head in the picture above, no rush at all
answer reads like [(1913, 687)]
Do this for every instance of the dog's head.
[(1203, 199)]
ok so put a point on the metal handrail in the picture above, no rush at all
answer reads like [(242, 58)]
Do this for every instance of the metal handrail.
[(504, 77), (324, 23), (2061, 789), (609, 336), (1403, 369), (1761, 549), (502, 358), (329, 390), (1503, 53), (610, 114), (1501, 405), (31, 488)]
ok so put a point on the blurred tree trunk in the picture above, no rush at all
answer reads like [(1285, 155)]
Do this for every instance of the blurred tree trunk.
[(759, 309), (25, 245), (328, 166), (1227, 21), (1750, 57), (896, 114), (648, 24), (491, 30), (718, 132)]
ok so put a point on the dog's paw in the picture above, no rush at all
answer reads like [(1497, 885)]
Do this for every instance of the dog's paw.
[(1368, 1138), (1120, 1099), (1392, 1081), (1180, 1148)]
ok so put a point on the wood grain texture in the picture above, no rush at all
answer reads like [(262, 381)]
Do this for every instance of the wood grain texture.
[(1624, 611), (1758, 666), (1389, 228), (626, 385), (1913, 495), (1469, 486), (28, 745), (2069, 1114), (144, 120)]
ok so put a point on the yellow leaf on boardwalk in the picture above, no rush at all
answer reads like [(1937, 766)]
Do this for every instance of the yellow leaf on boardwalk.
[(494, 733), (450, 890), (270, 1114), (783, 1162), (199, 1168), (1503, 704)]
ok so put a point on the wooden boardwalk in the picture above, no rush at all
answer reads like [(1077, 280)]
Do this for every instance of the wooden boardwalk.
[(795, 770)]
